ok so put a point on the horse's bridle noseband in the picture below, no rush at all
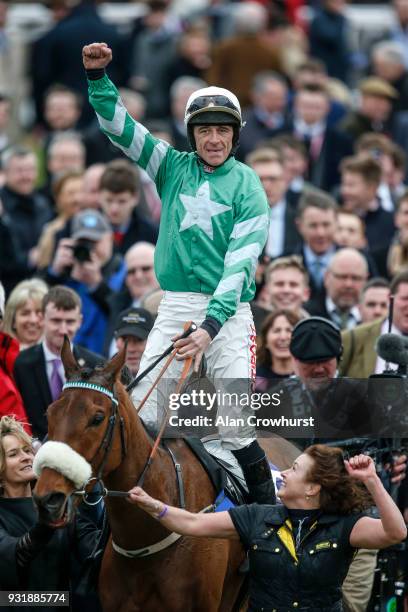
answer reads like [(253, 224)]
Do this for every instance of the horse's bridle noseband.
[(106, 442)]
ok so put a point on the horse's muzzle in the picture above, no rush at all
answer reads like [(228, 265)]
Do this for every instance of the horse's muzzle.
[(54, 509)]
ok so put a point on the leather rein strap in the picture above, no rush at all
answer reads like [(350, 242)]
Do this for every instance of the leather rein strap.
[(107, 440), (186, 368)]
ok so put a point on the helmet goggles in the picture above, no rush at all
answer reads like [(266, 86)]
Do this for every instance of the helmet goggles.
[(216, 102)]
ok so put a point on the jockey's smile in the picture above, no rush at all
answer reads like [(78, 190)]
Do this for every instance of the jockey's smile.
[(213, 142)]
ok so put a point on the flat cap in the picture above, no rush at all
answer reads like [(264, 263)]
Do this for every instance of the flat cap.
[(374, 86), (315, 339)]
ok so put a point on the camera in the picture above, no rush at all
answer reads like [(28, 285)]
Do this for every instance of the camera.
[(82, 250)]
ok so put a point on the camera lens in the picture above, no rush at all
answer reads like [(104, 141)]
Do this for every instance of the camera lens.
[(82, 250)]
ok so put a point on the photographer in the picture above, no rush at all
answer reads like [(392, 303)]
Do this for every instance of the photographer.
[(86, 263)]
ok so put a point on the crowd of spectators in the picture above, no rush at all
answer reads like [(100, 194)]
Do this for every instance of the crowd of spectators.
[(326, 132)]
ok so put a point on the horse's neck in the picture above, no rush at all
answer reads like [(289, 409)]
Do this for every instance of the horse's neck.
[(159, 482)]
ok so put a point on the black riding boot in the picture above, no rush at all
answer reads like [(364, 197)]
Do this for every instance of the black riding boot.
[(257, 473)]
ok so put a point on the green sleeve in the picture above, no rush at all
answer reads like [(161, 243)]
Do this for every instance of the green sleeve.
[(122, 130), (246, 242)]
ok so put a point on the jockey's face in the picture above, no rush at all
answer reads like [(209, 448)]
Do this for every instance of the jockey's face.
[(213, 143)]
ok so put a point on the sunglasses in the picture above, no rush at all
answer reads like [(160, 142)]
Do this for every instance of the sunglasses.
[(142, 268)]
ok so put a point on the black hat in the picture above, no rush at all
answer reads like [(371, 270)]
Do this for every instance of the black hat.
[(136, 322), (316, 339)]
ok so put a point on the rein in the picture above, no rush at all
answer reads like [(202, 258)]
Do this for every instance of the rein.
[(107, 441)]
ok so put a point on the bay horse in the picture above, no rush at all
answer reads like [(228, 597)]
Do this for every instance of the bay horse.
[(191, 574)]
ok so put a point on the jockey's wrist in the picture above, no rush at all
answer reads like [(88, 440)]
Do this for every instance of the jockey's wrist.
[(94, 74), (211, 326)]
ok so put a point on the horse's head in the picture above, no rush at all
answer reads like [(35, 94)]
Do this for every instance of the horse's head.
[(85, 433)]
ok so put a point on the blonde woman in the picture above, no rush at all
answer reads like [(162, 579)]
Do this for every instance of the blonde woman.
[(11, 402), (23, 318), (33, 555)]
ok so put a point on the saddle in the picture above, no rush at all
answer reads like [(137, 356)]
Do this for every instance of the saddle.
[(223, 471)]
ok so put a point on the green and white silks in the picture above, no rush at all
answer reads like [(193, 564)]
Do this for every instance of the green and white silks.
[(214, 225)]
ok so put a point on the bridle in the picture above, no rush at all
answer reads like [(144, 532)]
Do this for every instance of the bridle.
[(106, 445), (107, 440)]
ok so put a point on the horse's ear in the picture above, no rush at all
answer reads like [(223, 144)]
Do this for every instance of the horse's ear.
[(68, 360), (112, 370)]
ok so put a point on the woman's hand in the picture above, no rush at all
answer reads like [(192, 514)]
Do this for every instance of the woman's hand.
[(361, 467), (96, 56), (146, 503)]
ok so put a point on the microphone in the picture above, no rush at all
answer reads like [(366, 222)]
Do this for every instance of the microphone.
[(393, 348)]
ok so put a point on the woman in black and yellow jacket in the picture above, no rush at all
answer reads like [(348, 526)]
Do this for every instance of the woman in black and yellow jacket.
[(300, 552)]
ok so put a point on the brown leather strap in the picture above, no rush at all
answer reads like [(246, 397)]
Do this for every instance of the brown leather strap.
[(186, 368), (170, 358), (156, 382)]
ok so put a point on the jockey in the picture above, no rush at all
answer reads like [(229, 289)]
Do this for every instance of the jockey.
[(213, 228)]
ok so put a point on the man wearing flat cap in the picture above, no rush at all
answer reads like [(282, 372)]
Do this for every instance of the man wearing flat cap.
[(132, 328), (374, 114), (338, 406)]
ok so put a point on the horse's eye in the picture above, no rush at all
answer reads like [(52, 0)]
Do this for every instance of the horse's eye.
[(96, 419)]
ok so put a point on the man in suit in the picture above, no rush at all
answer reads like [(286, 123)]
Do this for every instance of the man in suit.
[(56, 56), (283, 234), (268, 115), (326, 145), (343, 280), (360, 180), (38, 370), (295, 161), (316, 222), (359, 358)]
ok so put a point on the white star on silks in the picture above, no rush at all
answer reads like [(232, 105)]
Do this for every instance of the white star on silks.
[(200, 209)]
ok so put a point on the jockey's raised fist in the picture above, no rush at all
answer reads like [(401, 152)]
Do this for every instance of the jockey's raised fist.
[(96, 55)]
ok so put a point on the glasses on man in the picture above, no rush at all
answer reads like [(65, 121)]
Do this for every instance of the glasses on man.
[(143, 269)]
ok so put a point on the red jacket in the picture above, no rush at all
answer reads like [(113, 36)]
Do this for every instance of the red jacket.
[(11, 403)]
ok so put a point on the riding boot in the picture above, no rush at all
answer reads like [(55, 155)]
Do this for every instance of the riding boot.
[(259, 481), (257, 473)]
